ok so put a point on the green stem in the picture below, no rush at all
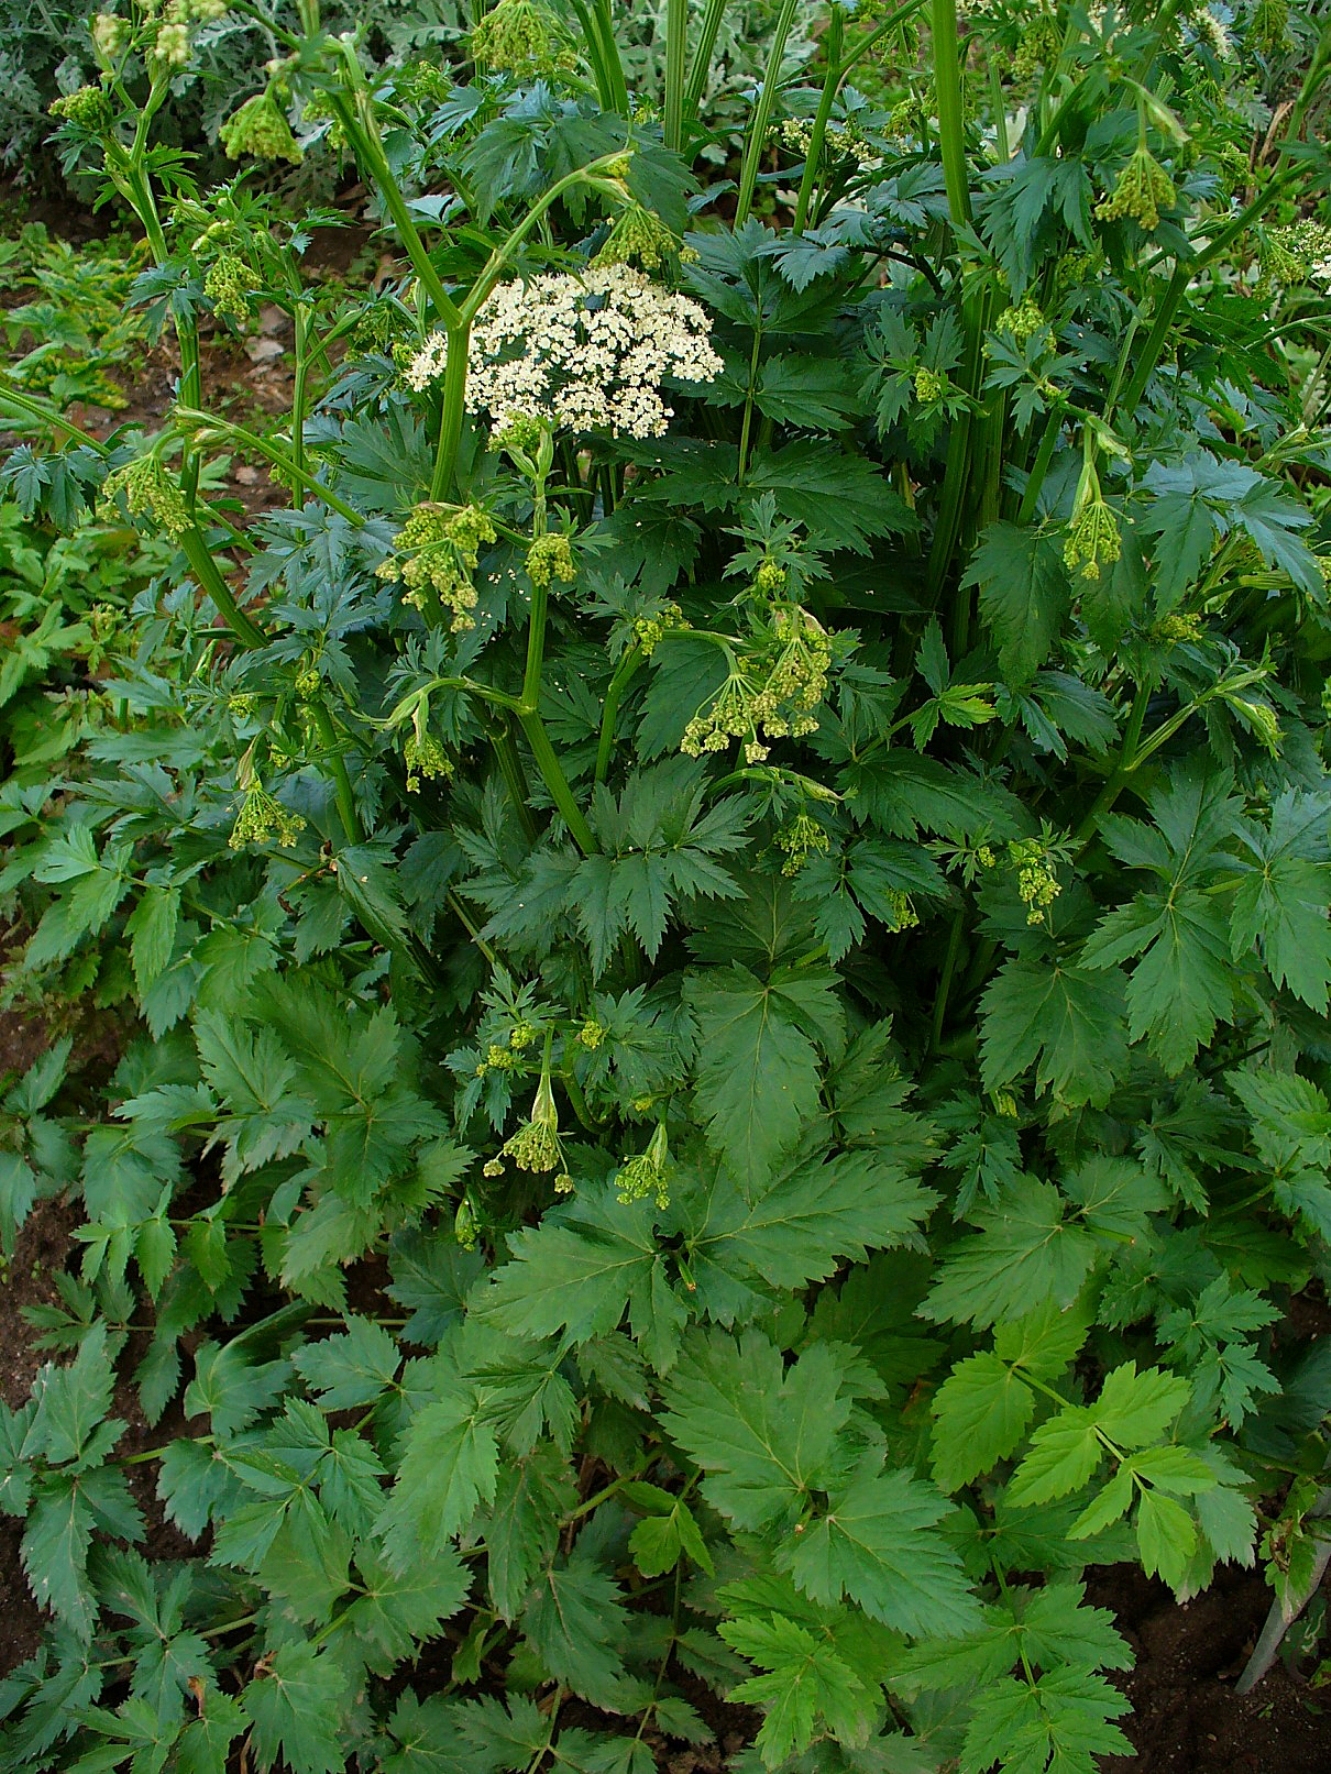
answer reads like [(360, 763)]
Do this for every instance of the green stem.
[(702, 58), (336, 763), (553, 776), (46, 413), (1053, 425), (1128, 759), (945, 980), (834, 42), (271, 452), (762, 116), (209, 576), (502, 256), (515, 779), (746, 424), (951, 114), (624, 671), (450, 422), (868, 44), (354, 110), (677, 48), (301, 320)]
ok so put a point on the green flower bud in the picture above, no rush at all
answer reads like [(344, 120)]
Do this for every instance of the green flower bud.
[(260, 128)]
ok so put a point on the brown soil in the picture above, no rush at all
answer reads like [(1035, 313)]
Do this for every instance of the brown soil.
[(1186, 1717)]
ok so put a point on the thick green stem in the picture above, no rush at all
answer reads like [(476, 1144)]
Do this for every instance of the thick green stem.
[(1127, 762), (702, 58), (515, 778), (762, 116), (335, 763), (951, 113), (623, 675), (552, 774), (677, 49), (1053, 425), (833, 41), (209, 576), (450, 422), (298, 400), (746, 424), (271, 452), (354, 110)]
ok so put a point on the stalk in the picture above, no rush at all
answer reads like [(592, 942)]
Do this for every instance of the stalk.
[(835, 40), (762, 116), (346, 800), (209, 576), (951, 115), (623, 675), (450, 423), (301, 321), (702, 58), (677, 47), (280, 460)]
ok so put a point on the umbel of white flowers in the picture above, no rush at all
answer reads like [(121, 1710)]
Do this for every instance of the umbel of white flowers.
[(582, 353)]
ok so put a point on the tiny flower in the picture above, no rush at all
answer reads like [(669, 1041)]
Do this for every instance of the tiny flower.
[(1144, 188), (648, 1173), (263, 820), (522, 38), (551, 557), (260, 128), (89, 107), (578, 353), (148, 491), (802, 838), (229, 285)]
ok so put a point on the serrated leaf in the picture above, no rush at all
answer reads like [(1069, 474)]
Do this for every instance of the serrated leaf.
[(757, 1078), (1024, 595), (294, 1704), (449, 1465)]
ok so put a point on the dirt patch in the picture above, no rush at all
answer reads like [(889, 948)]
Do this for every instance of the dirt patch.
[(1187, 1718)]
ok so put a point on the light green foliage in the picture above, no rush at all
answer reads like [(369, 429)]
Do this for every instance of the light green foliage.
[(720, 979)]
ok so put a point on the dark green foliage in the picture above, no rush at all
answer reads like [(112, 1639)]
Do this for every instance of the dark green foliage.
[(726, 1080)]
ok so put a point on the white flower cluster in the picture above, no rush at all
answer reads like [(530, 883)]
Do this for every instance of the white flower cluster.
[(581, 353)]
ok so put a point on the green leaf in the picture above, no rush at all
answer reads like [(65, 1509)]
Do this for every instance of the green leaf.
[(877, 1545), (350, 1369), (450, 1464), (532, 1499), (1066, 1021), (54, 1551), (575, 1621), (1060, 1722), (574, 1277), (1166, 1537), (400, 1610), (659, 1541), (1281, 903), (981, 1412), (151, 928), (765, 1436), (295, 1704), (1023, 1256), (806, 1684), (1024, 595), (757, 1077)]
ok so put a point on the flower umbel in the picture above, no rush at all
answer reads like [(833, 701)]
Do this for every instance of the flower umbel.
[(1144, 188), (536, 1145), (447, 542), (148, 491), (580, 353), (260, 128), (647, 1173), (522, 38)]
